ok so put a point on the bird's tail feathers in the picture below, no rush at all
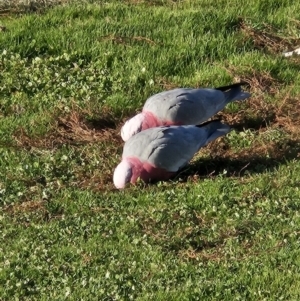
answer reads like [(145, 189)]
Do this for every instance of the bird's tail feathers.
[(215, 129), (234, 92), (225, 88)]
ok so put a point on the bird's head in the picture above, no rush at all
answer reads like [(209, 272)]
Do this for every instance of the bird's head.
[(132, 126), (122, 174)]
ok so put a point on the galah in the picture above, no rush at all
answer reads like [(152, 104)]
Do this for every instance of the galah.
[(182, 106), (158, 153)]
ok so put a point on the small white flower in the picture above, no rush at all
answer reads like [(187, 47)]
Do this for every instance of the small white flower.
[(68, 290), (143, 69), (44, 195), (4, 52), (151, 82)]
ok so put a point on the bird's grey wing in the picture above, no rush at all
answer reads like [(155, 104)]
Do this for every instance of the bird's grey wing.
[(185, 105), (172, 147), (176, 147), (196, 106), (160, 104), (137, 144)]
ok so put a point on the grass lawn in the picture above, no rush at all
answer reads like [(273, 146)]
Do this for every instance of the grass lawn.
[(227, 228)]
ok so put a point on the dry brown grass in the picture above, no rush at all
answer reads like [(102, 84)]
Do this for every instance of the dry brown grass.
[(152, 2), (217, 253), (260, 82), (9, 7), (166, 84), (258, 113), (30, 206), (268, 38), (72, 128)]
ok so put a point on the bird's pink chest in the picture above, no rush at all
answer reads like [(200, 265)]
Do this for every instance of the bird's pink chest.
[(147, 171), (152, 121), (151, 172)]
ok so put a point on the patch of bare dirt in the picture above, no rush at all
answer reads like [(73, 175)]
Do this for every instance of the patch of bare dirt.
[(74, 127)]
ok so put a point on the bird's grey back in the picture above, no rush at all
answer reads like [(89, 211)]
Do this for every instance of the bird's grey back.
[(186, 105), (169, 148)]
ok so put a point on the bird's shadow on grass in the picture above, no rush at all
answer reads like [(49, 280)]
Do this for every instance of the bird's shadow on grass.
[(254, 123), (246, 164), (101, 123)]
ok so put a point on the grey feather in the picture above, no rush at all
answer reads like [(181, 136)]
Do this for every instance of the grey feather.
[(235, 93), (225, 88), (192, 106), (172, 147)]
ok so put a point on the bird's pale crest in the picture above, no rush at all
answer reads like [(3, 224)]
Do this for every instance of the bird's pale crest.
[(122, 174), (132, 126)]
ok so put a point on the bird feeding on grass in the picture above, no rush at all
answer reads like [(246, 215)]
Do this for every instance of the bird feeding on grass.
[(182, 106), (158, 153)]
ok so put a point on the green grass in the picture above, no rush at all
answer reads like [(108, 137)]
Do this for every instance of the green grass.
[(227, 228)]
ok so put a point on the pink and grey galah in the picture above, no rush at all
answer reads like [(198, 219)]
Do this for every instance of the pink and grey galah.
[(182, 106), (159, 153)]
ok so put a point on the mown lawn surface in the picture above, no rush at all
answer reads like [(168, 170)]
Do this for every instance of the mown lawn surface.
[(227, 227)]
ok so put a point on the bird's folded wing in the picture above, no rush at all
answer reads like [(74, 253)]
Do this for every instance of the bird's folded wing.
[(169, 148), (186, 106)]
